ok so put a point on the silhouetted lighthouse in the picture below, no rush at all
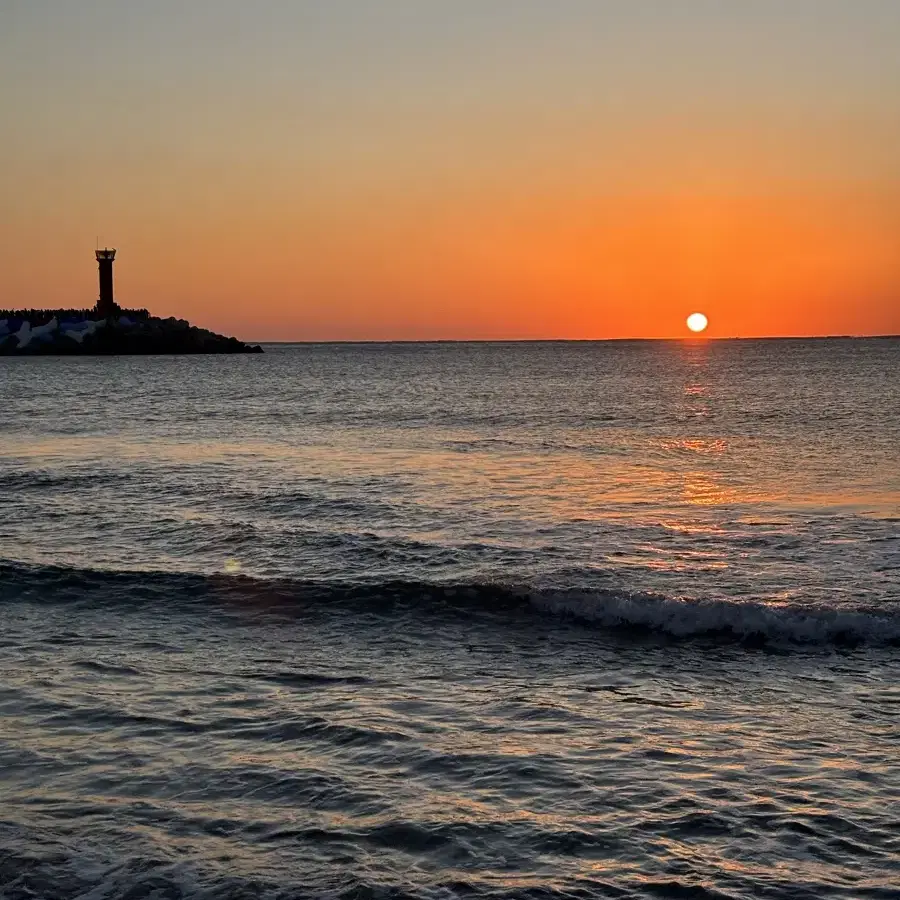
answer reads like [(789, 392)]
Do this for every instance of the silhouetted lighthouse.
[(106, 305)]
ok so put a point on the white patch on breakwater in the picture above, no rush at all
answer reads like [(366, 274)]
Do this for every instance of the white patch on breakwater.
[(78, 331), (26, 334)]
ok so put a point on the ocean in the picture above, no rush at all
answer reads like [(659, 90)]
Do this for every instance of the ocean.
[(537, 620)]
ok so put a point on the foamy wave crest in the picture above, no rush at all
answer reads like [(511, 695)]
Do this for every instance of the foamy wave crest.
[(622, 612), (745, 621)]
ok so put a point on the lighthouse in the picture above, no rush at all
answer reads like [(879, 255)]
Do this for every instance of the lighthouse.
[(106, 305)]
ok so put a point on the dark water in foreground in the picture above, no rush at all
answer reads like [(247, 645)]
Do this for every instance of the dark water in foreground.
[(576, 620)]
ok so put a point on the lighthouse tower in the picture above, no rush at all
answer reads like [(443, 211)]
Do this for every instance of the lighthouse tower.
[(106, 305)]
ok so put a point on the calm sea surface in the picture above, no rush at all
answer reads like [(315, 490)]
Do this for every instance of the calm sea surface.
[(523, 620)]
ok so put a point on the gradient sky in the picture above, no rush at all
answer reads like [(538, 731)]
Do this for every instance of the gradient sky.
[(406, 169)]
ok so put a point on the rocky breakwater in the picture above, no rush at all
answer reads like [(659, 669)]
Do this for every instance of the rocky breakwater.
[(78, 332)]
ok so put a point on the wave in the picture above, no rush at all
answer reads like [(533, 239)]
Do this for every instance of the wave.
[(676, 618)]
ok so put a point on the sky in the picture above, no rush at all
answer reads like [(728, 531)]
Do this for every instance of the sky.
[(467, 169)]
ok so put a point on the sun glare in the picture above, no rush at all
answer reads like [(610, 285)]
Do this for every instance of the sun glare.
[(697, 322)]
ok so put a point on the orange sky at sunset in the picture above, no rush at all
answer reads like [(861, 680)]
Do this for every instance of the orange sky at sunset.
[(463, 178)]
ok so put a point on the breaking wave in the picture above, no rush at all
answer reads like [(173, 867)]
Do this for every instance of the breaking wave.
[(623, 612)]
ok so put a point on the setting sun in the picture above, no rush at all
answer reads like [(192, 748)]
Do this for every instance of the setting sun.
[(697, 322)]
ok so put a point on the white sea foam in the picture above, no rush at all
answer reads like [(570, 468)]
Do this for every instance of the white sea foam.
[(745, 620)]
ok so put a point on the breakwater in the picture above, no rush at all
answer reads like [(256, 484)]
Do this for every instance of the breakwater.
[(65, 332)]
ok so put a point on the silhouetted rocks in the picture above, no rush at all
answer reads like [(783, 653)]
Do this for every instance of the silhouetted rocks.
[(69, 332)]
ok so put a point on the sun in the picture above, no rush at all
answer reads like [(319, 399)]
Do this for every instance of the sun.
[(697, 322)]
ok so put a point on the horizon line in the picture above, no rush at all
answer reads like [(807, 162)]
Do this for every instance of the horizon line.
[(687, 339)]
